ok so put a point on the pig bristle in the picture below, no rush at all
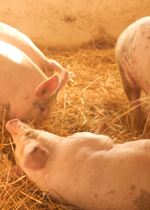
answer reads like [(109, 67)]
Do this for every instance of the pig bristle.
[(93, 95)]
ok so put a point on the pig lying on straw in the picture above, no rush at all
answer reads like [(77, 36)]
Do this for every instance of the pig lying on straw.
[(26, 91), (85, 169)]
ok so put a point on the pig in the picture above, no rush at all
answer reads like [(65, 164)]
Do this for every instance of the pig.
[(133, 59), (14, 37), (26, 91), (85, 169)]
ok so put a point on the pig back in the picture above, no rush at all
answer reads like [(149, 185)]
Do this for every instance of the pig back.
[(14, 37), (133, 53), (17, 70)]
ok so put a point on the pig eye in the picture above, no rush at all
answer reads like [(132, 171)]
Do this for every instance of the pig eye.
[(42, 109)]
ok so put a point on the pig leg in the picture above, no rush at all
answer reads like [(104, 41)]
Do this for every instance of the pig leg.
[(133, 94)]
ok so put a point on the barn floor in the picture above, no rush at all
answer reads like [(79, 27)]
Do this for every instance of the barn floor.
[(94, 94)]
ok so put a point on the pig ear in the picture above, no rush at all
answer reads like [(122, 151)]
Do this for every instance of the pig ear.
[(35, 156), (48, 87)]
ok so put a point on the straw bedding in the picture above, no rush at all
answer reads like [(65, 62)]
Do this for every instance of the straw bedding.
[(94, 94)]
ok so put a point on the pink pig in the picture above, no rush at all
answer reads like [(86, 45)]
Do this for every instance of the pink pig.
[(85, 169), (14, 37), (26, 91), (133, 60)]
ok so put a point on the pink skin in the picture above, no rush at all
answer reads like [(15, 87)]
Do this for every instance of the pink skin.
[(96, 173), (133, 60), (26, 91), (14, 37)]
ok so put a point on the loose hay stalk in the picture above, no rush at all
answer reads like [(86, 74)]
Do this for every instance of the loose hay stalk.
[(94, 94)]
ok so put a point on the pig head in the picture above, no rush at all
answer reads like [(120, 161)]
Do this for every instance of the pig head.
[(85, 169), (26, 91)]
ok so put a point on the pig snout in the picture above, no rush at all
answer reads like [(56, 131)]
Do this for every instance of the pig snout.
[(12, 124), (15, 127)]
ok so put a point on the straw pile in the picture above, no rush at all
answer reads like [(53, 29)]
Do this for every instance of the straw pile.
[(94, 94)]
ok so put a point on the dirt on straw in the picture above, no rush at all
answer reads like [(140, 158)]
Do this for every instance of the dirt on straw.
[(94, 94)]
